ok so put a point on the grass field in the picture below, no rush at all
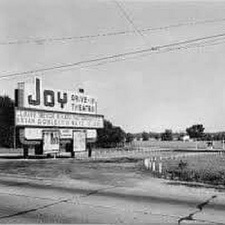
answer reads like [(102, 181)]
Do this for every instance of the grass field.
[(204, 168)]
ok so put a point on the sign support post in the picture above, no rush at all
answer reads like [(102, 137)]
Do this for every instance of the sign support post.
[(89, 150), (72, 153), (25, 151)]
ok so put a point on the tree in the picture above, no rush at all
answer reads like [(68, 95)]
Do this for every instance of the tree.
[(167, 135), (180, 136), (117, 135), (6, 121), (138, 136), (154, 135), (218, 136), (208, 137), (145, 136), (129, 137), (110, 136), (196, 131)]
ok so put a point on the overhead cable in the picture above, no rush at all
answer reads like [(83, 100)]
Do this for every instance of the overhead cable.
[(128, 18), (157, 49), (115, 33)]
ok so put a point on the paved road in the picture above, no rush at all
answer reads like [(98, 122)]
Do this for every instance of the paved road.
[(148, 201)]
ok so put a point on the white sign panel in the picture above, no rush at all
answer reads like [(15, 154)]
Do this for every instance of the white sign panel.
[(37, 133), (43, 98), (66, 133), (79, 141), (50, 142), (91, 134), (26, 117), (33, 133)]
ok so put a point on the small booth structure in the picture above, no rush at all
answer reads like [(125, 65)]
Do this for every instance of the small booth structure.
[(46, 119)]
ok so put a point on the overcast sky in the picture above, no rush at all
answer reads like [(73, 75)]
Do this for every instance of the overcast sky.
[(170, 90)]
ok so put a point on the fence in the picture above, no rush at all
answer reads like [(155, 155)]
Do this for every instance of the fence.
[(139, 152), (201, 159), (178, 144), (143, 152)]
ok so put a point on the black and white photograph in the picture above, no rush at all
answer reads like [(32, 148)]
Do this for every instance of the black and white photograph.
[(112, 112)]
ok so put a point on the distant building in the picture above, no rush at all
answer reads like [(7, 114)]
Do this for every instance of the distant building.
[(185, 138)]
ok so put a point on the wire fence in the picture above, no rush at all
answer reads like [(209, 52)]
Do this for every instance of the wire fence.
[(219, 145), (164, 151)]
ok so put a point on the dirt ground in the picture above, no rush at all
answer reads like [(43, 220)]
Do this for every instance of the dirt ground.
[(105, 171)]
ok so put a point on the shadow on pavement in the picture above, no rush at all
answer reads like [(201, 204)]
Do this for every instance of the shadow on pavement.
[(29, 157)]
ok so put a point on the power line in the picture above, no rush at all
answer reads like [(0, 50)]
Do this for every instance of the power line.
[(122, 8), (195, 45), (205, 44), (157, 49), (128, 18), (116, 33), (120, 59), (119, 56)]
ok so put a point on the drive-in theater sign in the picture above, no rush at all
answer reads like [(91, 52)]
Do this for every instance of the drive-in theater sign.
[(47, 118)]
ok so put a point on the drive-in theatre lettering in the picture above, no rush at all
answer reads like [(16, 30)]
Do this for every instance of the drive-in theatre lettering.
[(65, 101)]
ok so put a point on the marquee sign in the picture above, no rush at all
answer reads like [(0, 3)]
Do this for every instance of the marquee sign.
[(53, 115), (39, 118), (35, 96)]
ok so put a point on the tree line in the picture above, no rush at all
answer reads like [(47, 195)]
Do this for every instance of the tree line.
[(195, 132)]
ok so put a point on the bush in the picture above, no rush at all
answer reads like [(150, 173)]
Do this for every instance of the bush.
[(6, 121), (110, 136), (7, 136)]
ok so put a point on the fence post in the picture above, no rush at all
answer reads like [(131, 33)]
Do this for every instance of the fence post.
[(196, 147), (150, 164), (146, 163), (153, 164), (25, 151), (160, 165)]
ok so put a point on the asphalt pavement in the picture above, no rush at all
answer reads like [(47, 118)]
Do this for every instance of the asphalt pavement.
[(147, 201)]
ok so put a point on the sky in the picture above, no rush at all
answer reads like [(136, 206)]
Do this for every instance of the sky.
[(151, 92)]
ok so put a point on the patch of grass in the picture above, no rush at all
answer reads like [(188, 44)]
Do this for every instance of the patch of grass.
[(209, 169)]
